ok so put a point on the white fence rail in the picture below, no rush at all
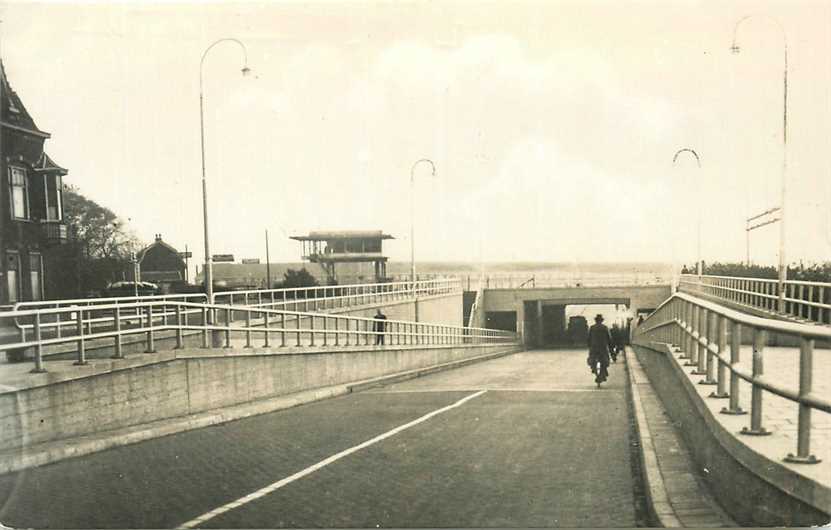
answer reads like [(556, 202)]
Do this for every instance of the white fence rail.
[(709, 337), (58, 324), (809, 301), (300, 328)]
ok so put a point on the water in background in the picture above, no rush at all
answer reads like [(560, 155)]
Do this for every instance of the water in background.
[(500, 274)]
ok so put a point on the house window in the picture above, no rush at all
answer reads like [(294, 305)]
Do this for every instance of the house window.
[(35, 274), (54, 198), (13, 276), (19, 193)]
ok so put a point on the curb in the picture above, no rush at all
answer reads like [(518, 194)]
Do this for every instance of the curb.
[(50, 452), (660, 509)]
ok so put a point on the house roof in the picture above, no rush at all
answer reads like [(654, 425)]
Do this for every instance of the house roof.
[(158, 243), (13, 113), (47, 165)]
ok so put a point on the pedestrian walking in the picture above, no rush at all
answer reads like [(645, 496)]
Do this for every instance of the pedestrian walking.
[(378, 326), (600, 345)]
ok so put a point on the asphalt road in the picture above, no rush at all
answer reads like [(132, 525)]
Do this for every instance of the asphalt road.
[(525, 440)]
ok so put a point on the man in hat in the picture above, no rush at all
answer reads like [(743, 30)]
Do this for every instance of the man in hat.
[(600, 344), (378, 326)]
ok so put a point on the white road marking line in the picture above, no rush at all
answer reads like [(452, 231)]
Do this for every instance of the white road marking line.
[(193, 523), (493, 389)]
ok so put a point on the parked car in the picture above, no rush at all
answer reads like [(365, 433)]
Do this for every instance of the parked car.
[(131, 289)]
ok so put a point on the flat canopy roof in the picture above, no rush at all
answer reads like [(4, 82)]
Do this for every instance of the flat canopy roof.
[(330, 235)]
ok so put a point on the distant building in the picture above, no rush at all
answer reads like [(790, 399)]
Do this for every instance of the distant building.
[(31, 214), (347, 248), (161, 264)]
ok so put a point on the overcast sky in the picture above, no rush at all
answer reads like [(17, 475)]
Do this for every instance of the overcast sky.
[(552, 124)]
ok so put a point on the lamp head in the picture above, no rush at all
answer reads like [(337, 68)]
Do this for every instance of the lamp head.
[(735, 48), (246, 71)]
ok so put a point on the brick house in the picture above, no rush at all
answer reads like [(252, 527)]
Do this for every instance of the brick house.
[(31, 208)]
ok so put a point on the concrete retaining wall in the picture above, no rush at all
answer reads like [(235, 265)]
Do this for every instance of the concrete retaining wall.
[(753, 489), (167, 386)]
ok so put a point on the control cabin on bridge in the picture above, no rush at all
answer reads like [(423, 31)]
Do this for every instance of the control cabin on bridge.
[(328, 248)]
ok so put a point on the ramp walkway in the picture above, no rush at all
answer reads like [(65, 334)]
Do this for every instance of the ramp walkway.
[(513, 442)]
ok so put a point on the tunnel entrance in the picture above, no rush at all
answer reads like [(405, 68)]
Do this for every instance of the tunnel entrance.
[(565, 324)]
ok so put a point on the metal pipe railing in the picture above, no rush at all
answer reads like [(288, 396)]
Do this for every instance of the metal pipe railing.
[(803, 300), (678, 321), (513, 281), (310, 298), (333, 296), (309, 328)]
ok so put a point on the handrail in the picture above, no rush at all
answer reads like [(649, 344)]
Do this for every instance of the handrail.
[(273, 297), (274, 321), (802, 300), (420, 284), (705, 331), (769, 324), (116, 299), (767, 280)]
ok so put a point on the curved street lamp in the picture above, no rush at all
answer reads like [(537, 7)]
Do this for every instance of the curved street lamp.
[(209, 288), (698, 162), (412, 215), (783, 270)]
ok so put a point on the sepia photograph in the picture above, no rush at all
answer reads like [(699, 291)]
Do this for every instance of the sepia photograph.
[(415, 264)]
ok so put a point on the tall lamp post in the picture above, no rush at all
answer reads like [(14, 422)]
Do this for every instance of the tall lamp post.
[(783, 269), (412, 215), (209, 288), (698, 267)]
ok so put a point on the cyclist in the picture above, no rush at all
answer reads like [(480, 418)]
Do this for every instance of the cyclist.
[(600, 345)]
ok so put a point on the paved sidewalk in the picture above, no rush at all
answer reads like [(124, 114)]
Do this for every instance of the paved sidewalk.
[(677, 490)]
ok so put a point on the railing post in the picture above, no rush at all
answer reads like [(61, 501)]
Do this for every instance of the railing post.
[(266, 333), (684, 340), (735, 355), (781, 293), (311, 330), (38, 369), (710, 369), (117, 316), (282, 330), (79, 329), (701, 342), (228, 327), (694, 327), (151, 343), (325, 327), (756, 428), (247, 328), (205, 343), (337, 331), (803, 444), (721, 390), (180, 339), (297, 325)]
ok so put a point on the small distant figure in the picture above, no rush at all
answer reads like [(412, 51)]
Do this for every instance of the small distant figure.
[(640, 319), (378, 326), (617, 341), (600, 345)]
